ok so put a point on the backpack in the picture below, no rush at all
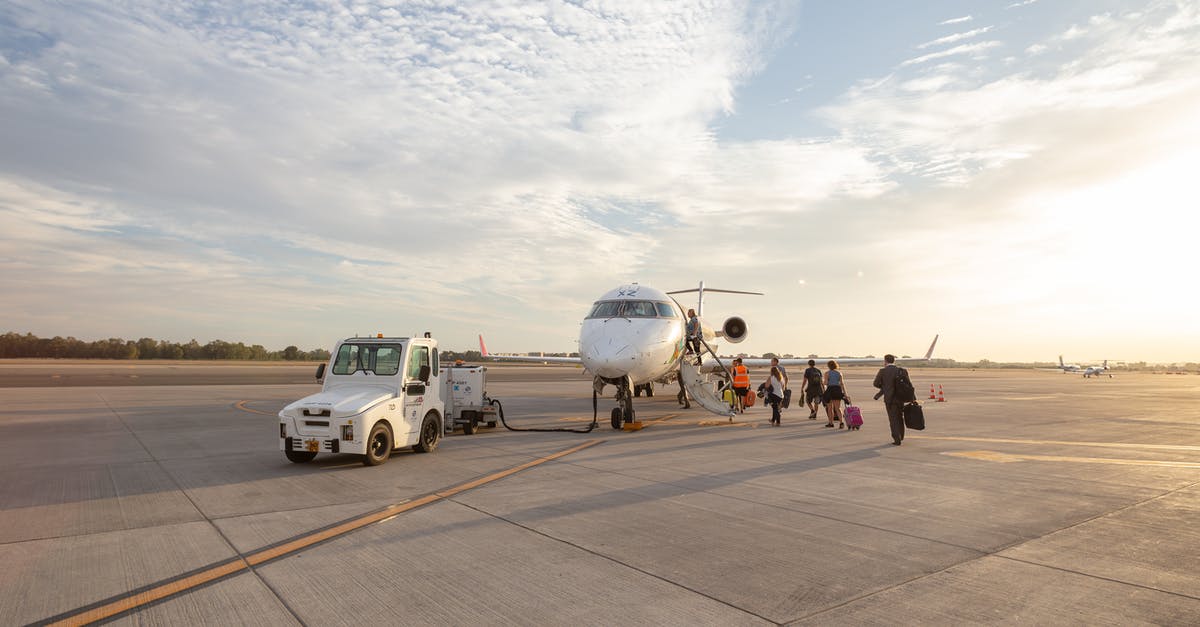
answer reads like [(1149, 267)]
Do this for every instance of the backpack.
[(904, 390)]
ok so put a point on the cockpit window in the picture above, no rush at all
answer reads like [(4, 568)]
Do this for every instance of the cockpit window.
[(639, 309), (379, 359), (632, 309), (606, 309)]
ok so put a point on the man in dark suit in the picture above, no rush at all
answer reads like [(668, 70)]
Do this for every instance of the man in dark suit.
[(886, 382)]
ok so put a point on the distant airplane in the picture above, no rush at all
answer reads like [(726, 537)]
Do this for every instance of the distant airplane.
[(634, 337), (1087, 372), (1096, 370), (1067, 367)]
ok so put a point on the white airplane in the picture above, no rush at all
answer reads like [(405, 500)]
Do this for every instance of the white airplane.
[(1067, 367), (1096, 371), (634, 337), (1087, 372)]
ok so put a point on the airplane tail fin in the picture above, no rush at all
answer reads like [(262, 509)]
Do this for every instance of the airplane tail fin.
[(929, 353), (1060, 362), (482, 347), (700, 295)]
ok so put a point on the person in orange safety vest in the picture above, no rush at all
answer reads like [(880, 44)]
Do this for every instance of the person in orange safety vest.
[(741, 383)]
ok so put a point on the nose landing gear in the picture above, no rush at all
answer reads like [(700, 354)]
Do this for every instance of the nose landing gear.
[(623, 412)]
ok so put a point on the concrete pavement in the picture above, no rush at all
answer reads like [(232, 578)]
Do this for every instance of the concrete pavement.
[(1032, 497)]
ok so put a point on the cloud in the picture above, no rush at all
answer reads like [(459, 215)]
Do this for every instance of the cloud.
[(949, 39), (974, 50), (337, 145), (956, 20), (949, 125)]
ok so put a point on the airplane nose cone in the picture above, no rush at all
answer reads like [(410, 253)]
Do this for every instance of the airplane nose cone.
[(606, 350), (609, 359)]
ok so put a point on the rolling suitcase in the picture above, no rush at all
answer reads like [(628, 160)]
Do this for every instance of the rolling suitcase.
[(853, 416), (914, 416)]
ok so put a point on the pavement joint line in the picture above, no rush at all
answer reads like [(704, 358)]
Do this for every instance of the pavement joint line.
[(1004, 458), (216, 528), (996, 554), (611, 559), (165, 589), (1162, 447)]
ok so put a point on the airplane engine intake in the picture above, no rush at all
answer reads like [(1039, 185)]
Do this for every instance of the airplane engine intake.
[(734, 329)]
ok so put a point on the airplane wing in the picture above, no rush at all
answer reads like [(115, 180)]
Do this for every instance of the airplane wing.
[(763, 363), (527, 358)]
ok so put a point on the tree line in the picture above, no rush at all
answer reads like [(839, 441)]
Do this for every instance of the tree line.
[(15, 345)]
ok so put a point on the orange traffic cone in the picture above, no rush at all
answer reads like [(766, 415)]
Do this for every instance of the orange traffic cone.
[(931, 394), (941, 397)]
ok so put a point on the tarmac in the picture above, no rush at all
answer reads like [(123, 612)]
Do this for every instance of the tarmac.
[(135, 494)]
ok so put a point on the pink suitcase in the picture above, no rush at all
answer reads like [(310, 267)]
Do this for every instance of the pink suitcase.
[(853, 416)]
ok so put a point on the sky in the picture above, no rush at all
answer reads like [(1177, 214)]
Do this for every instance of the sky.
[(1020, 177)]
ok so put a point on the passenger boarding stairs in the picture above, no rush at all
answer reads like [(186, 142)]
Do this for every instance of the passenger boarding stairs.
[(702, 386)]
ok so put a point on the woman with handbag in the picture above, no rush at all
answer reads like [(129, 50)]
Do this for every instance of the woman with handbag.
[(773, 388)]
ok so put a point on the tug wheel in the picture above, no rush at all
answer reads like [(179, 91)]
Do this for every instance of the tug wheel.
[(431, 432), (379, 445)]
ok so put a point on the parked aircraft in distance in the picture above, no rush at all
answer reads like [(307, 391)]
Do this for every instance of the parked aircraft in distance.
[(633, 337), (1067, 367), (1087, 372)]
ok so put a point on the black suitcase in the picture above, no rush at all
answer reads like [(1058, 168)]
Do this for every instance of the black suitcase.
[(787, 398), (914, 416)]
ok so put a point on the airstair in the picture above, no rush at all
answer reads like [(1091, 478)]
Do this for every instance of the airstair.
[(702, 388)]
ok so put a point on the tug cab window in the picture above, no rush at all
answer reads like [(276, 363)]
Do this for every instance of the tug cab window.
[(382, 360), (419, 357)]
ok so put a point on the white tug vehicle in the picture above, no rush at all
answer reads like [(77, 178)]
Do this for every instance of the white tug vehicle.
[(384, 393)]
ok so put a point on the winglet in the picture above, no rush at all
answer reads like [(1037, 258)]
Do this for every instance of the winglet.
[(482, 349), (929, 353)]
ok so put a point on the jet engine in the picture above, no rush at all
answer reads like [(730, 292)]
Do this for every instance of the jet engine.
[(734, 329)]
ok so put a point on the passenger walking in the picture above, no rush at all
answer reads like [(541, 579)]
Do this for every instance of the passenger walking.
[(741, 384), (894, 396), (774, 392), (834, 393), (693, 335), (813, 388), (782, 372)]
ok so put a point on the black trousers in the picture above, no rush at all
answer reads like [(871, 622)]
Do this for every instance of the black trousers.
[(895, 412)]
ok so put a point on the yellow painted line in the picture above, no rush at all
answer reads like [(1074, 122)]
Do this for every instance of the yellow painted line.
[(1158, 447), (162, 591), (994, 456), (242, 406), (661, 420), (724, 423)]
